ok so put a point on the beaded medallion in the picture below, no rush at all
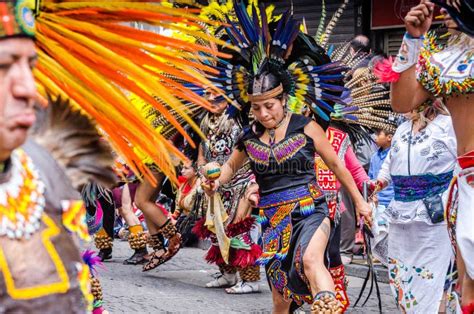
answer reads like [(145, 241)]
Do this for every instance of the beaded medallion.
[(22, 199)]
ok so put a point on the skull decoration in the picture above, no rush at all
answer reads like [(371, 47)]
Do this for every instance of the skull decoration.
[(222, 146)]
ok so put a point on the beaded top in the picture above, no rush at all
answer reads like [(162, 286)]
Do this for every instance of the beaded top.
[(449, 70), (288, 163)]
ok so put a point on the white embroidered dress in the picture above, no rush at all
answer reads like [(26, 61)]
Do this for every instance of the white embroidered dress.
[(419, 251)]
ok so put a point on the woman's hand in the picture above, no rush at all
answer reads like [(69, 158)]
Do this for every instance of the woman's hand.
[(418, 20), (363, 209), (210, 187), (252, 195), (375, 186), (374, 199)]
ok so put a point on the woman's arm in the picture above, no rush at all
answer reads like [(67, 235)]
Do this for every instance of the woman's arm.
[(384, 176), (330, 158), (201, 161), (355, 168), (407, 94), (234, 163)]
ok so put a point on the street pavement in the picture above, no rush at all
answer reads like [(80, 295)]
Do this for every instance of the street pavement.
[(178, 287)]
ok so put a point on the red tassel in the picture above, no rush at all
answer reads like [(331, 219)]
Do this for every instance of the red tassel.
[(214, 256), (468, 309), (245, 258), (383, 71), (200, 230), (240, 227)]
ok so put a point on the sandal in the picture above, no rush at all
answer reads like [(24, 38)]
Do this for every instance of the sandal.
[(156, 259), (222, 281), (138, 257), (244, 287), (168, 230), (174, 245)]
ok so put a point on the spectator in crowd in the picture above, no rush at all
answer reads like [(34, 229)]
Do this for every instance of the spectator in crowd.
[(360, 45), (383, 139)]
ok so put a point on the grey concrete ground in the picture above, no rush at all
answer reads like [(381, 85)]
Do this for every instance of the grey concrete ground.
[(178, 287)]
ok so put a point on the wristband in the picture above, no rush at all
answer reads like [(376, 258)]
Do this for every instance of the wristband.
[(408, 53)]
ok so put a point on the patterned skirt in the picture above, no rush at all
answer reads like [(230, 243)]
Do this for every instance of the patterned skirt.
[(289, 220), (418, 269)]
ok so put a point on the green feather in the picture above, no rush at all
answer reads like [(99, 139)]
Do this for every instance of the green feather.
[(320, 30), (332, 24)]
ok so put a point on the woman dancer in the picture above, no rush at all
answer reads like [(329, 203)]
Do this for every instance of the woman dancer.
[(222, 133), (420, 164), (281, 148), (445, 71)]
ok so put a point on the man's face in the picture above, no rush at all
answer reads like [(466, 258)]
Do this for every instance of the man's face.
[(17, 92)]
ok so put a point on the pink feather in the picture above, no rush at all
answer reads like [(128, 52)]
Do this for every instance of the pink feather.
[(383, 71), (92, 260)]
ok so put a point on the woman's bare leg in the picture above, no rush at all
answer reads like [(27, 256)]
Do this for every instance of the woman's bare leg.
[(313, 260), (466, 283), (126, 210), (280, 306), (152, 228), (145, 198)]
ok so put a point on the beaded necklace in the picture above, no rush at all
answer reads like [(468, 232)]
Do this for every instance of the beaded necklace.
[(22, 199), (271, 132)]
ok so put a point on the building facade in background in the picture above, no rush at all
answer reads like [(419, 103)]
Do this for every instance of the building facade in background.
[(380, 20)]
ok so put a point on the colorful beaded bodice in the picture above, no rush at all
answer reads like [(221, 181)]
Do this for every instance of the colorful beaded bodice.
[(446, 71), (289, 162)]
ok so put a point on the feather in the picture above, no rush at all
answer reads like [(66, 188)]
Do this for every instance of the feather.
[(332, 23), (75, 143), (92, 261), (322, 20), (85, 53), (383, 71)]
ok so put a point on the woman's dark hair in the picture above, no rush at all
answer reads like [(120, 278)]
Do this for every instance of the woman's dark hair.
[(265, 81)]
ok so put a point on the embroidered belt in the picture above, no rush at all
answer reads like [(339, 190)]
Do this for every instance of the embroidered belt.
[(291, 195), (275, 218), (414, 188)]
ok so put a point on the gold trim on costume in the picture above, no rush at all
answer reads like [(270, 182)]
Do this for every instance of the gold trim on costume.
[(40, 290)]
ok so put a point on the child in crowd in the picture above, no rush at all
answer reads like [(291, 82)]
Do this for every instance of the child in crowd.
[(383, 139)]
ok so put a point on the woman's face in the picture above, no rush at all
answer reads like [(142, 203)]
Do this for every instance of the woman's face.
[(268, 112), (219, 104), (188, 171)]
